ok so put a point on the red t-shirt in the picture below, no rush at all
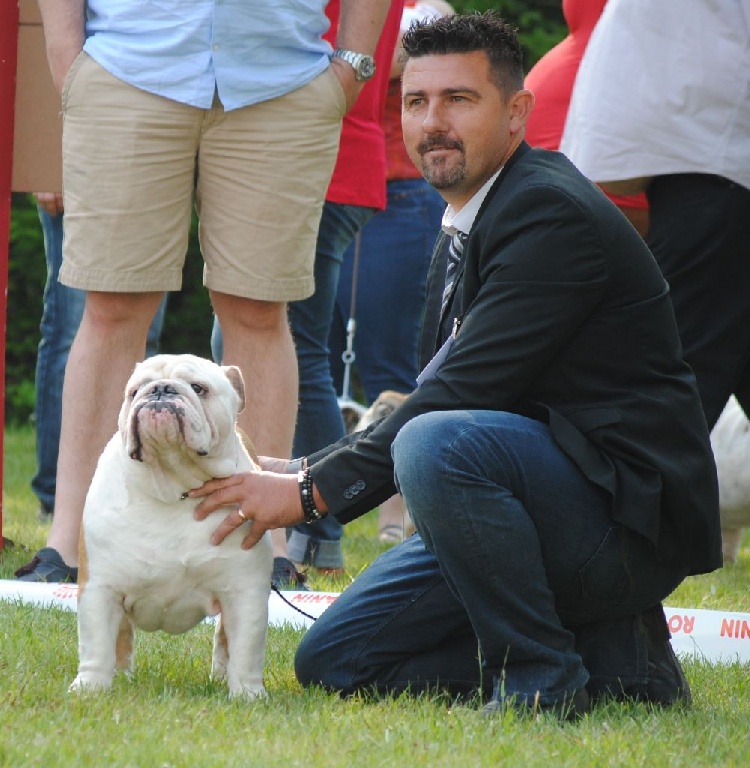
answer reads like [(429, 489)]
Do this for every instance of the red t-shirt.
[(552, 78), (359, 175)]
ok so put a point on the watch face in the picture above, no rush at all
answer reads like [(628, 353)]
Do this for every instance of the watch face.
[(366, 68), (363, 65)]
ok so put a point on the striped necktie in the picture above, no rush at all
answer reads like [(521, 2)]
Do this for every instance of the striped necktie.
[(455, 254)]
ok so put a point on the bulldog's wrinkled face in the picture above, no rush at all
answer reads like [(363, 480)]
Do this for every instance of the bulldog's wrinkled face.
[(179, 403)]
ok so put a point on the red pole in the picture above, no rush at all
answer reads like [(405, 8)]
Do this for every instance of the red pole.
[(8, 63)]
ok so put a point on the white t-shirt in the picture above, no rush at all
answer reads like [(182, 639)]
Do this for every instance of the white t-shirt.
[(663, 88)]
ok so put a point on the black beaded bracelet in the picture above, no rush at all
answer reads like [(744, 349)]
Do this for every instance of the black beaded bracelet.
[(309, 510)]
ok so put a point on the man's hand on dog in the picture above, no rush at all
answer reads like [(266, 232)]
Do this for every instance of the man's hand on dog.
[(267, 500)]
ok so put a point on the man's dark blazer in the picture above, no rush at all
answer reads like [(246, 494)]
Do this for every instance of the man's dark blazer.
[(563, 316)]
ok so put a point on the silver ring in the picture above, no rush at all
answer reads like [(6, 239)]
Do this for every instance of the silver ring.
[(242, 515)]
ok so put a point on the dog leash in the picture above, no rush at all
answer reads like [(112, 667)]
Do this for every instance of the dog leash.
[(348, 356), (275, 589)]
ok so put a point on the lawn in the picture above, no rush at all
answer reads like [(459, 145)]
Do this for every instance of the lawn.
[(170, 714)]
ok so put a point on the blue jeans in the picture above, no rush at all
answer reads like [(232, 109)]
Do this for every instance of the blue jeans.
[(395, 251), (516, 554), (319, 421), (61, 315)]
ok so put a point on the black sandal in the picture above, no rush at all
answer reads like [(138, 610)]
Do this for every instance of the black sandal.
[(286, 577), (47, 565)]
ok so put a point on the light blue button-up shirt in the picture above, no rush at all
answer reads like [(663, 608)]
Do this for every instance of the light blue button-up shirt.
[(186, 50)]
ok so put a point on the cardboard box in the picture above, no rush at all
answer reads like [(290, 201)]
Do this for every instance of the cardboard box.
[(28, 11), (37, 141)]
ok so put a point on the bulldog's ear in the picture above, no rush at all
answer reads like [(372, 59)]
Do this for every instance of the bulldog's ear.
[(234, 374)]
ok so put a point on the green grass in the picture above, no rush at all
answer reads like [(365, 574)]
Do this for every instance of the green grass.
[(171, 714)]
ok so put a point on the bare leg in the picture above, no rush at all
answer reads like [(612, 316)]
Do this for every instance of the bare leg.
[(257, 339), (109, 342), (278, 542)]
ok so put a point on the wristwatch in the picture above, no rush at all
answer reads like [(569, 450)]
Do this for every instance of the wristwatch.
[(364, 65)]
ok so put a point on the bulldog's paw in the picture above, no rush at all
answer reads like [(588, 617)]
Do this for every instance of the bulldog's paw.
[(218, 670), (247, 692), (89, 682)]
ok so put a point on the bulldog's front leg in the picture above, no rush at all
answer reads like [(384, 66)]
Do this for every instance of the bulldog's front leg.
[(244, 623), (220, 655), (105, 638)]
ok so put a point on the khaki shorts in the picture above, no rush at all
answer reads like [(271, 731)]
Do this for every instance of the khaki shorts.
[(134, 163)]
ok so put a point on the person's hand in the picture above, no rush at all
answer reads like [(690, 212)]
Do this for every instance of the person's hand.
[(266, 500), (352, 87), (51, 202)]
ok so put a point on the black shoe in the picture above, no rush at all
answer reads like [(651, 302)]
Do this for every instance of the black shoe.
[(286, 577), (567, 709), (667, 684), (47, 565)]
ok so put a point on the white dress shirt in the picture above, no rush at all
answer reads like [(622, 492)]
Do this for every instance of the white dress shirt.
[(461, 220)]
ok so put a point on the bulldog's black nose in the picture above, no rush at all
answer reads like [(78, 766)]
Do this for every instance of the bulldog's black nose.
[(162, 389)]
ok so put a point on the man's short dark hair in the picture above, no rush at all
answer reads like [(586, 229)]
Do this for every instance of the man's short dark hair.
[(467, 33)]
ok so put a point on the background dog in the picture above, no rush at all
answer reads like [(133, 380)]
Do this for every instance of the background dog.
[(394, 521), (730, 439), (386, 402), (144, 560)]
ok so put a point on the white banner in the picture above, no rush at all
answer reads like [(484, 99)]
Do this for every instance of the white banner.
[(715, 636), (280, 611)]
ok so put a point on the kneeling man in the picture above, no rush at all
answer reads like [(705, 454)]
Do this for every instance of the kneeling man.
[(554, 457)]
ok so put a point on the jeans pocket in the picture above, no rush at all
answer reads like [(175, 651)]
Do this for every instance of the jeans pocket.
[(605, 576)]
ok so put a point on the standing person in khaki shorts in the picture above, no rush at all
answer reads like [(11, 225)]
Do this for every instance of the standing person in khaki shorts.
[(235, 105)]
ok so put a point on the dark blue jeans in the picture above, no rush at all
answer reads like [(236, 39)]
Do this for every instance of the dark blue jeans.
[(319, 421), (61, 316), (395, 251), (517, 575)]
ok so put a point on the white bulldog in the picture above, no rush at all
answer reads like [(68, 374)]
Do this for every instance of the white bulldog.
[(730, 440), (144, 560)]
